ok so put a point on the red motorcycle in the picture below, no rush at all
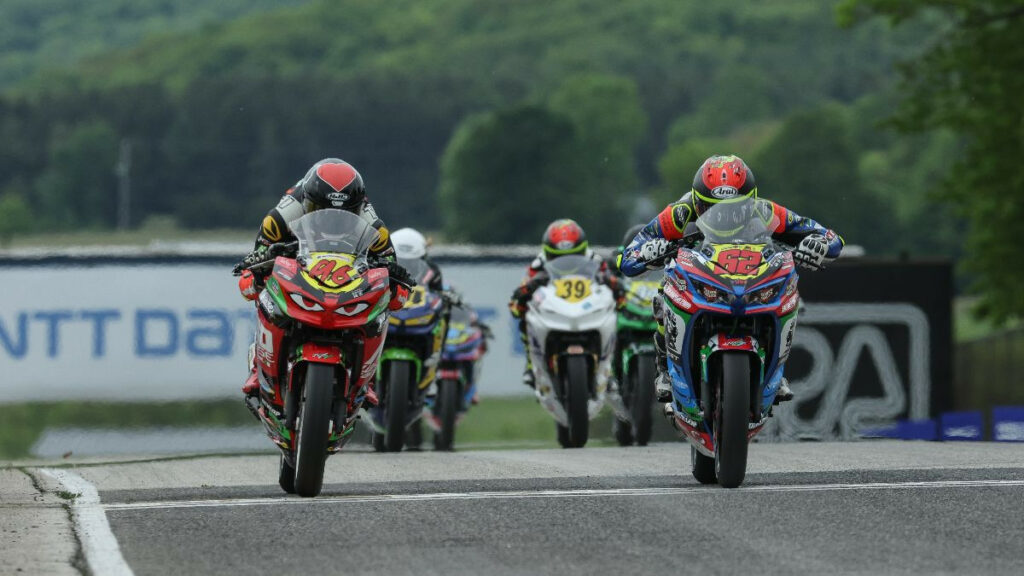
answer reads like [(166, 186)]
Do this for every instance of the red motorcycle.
[(323, 316)]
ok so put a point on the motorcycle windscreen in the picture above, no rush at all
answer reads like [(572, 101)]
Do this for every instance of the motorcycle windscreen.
[(333, 231), (738, 242), (572, 276)]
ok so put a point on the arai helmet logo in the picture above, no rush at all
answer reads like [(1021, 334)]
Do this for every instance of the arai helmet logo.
[(723, 192)]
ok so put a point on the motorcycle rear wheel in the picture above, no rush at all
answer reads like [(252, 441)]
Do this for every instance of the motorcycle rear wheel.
[(286, 475), (313, 428), (622, 431), (703, 467), (562, 433)]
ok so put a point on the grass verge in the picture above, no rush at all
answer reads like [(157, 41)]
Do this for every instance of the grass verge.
[(497, 422)]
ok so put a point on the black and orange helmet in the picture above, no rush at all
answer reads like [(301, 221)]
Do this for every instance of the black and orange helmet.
[(722, 179), (332, 183), (564, 237)]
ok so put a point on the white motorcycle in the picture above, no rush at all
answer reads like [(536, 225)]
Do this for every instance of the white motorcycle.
[(571, 327)]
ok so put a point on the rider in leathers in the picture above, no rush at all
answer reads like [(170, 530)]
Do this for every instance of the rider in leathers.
[(721, 178), (330, 183), (561, 238)]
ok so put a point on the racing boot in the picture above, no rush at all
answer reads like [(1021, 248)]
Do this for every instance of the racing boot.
[(371, 399), (784, 394), (663, 384), (528, 377), (252, 385)]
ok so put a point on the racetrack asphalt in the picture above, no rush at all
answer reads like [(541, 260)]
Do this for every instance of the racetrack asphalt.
[(806, 508)]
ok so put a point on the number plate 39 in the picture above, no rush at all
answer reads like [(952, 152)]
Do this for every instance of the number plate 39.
[(573, 289)]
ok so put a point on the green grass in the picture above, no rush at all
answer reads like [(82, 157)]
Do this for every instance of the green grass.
[(156, 231), (497, 422), (22, 424)]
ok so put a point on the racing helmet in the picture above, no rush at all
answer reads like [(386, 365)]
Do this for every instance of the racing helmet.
[(564, 237), (722, 179), (409, 243), (332, 183)]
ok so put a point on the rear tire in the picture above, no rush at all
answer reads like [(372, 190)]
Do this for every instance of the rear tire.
[(643, 399), (286, 475), (378, 441), (414, 436), (623, 432), (313, 428), (563, 436), (703, 467), (446, 406), (577, 376), (397, 404), (733, 419)]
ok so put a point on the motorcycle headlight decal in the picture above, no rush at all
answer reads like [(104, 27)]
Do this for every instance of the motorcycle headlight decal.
[(791, 285), (711, 293), (764, 295), (305, 303), (353, 309)]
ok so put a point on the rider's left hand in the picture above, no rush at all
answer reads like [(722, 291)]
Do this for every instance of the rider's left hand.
[(811, 252)]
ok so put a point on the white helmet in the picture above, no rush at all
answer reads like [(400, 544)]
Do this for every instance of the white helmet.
[(409, 243)]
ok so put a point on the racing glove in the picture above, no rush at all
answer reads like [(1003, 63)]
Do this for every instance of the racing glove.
[(251, 259), (399, 274), (453, 298), (264, 255), (654, 252), (811, 253)]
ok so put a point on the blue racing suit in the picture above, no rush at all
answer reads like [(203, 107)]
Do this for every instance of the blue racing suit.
[(672, 223)]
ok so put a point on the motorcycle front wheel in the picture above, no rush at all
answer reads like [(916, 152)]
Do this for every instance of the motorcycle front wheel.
[(397, 405), (312, 429), (733, 418), (577, 374), (643, 399), (446, 408)]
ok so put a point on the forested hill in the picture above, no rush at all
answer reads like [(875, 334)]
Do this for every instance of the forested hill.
[(39, 34), (222, 118)]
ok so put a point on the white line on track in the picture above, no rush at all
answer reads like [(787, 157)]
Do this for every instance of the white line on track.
[(98, 543), (594, 493)]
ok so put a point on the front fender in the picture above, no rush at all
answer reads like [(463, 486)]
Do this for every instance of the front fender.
[(404, 355), (319, 354)]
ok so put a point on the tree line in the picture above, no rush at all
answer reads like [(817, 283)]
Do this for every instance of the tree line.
[(485, 121)]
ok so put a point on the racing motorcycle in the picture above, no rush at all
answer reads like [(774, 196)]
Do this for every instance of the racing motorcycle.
[(730, 303), (409, 362), (570, 324), (326, 305), (464, 346), (635, 361)]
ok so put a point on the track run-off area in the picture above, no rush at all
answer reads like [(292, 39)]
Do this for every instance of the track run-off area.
[(878, 507)]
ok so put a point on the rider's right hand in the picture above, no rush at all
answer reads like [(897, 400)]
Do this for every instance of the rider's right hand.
[(655, 251), (250, 260)]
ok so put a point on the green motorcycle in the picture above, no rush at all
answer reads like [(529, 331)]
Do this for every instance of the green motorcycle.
[(635, 366)]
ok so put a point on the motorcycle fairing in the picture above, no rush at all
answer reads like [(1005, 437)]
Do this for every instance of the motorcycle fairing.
[(331, 273), (307, 302), (747, 269)]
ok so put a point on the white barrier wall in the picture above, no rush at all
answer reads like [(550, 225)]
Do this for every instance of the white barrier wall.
[(161, 332), (176, 332)]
